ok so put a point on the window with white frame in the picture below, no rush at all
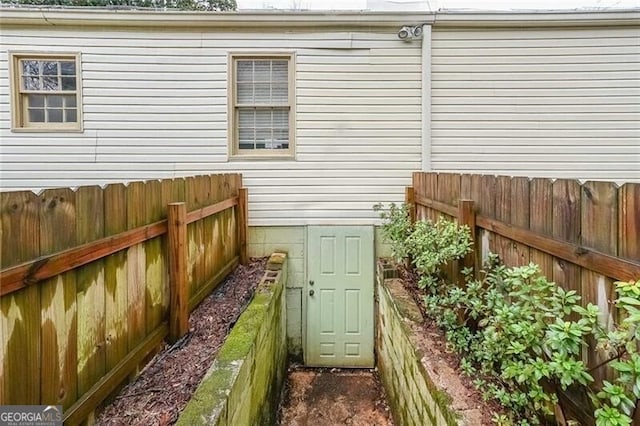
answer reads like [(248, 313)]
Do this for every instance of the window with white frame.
[(46, 92), (262, 105)]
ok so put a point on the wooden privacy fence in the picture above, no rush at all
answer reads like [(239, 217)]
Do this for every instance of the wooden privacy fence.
[(583, 236), (93, 280)]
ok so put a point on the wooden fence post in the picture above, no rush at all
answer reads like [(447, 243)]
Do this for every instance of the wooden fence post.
[(410, 200), (178, 288), (467, 216), (243, 214)]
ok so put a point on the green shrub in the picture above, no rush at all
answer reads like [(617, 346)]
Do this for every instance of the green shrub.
[(428, 245), (520, 335)]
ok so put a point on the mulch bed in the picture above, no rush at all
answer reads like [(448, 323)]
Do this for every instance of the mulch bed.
[(167, 383)]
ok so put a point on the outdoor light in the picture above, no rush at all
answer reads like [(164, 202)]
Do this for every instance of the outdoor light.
[(405, 33), (408, 33)]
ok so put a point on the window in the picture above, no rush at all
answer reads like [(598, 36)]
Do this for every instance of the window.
[(262, 106), (46, 94)]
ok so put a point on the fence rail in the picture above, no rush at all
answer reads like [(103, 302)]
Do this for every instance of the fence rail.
[(583, 235), (92, 281), (610, 266)]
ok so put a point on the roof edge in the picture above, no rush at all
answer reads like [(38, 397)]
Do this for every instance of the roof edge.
[(88, 17), (544, 18), (147, 18)]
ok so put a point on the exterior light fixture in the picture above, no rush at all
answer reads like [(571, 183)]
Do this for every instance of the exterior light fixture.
[(408, 32)]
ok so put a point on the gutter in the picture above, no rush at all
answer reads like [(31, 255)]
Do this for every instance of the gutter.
[(543, 18), (87, 17), (100, 17)]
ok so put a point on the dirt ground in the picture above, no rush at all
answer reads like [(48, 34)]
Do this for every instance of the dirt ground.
[(443, 365), (330, 397), (166, 384)]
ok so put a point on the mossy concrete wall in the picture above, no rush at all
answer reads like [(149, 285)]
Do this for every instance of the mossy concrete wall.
[(264, 240), (244, 383), (412, 395)]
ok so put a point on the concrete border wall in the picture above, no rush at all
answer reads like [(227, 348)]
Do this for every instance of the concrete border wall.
[(414, 398), (244, 383)]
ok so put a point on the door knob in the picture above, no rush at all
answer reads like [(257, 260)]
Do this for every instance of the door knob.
[(311, 292), (311, 282)]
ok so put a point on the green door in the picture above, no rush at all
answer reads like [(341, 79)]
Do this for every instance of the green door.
[(339, 293)]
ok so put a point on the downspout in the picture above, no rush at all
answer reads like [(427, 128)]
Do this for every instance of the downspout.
[(426, 96)]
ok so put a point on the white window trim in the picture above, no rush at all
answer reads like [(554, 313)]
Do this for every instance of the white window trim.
[(16, 103), (232, 130)]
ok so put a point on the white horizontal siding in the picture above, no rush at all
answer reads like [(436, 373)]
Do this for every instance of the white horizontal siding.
[(155, 106), (537, 102)]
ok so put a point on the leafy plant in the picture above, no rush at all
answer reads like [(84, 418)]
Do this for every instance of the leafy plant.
[(432, 245), (520, 335), (526, 335), (396, 228), (429, 245)]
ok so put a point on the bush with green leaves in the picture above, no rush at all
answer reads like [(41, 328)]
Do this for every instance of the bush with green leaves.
[(396, 228), (516, 334), (617, 402), (520, 335), (429, 245)]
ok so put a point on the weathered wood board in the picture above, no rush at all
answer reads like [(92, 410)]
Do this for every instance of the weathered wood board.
[(59, 318), (541, 220), (90, 291), (116, 278)]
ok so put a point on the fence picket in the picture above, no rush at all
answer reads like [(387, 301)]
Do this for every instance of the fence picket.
[(154, 258), (209, 189), (541, 220), (431, 191), (566, 227), (136, 268), (599, 230), (223, 223), (58, 301), (91, 291), (194, 236), (475, 194), (519, 216), (487, 207), (116, 278), (503, 246)]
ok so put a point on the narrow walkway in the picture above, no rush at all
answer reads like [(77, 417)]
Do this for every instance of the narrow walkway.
[(334, 396)]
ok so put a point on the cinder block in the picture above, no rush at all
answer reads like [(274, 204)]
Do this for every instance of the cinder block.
[(294, 250)]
